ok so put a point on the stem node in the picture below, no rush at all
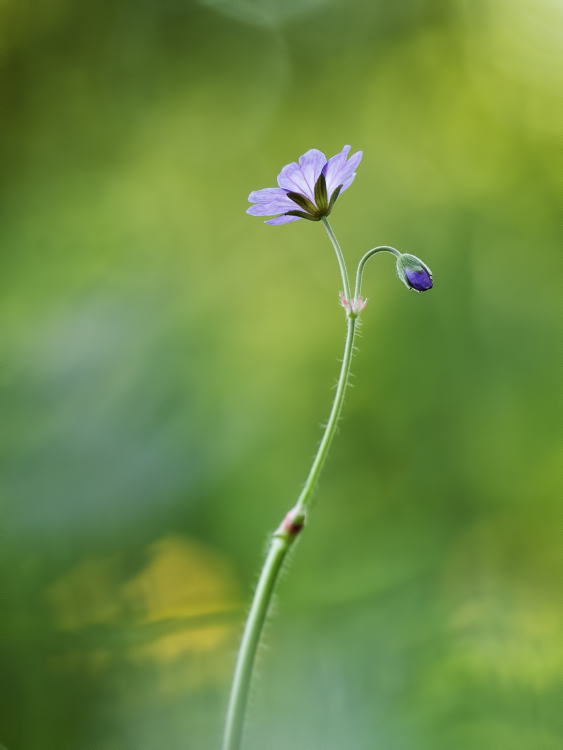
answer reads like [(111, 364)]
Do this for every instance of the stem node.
[(292, 524)]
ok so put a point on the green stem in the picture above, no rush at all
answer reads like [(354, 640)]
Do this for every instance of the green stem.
[(250, 640), (364, 260), (340, 256), (282, 542), (330, 428)]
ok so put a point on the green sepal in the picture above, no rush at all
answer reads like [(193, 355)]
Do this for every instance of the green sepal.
[(412, 263), (333, 198), (302, 215), (305, 203), (401, 273), (321, 198)]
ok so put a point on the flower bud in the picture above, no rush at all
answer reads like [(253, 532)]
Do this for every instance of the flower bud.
[(414, 273)]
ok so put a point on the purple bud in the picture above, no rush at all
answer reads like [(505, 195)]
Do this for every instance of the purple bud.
[(414, 273), (421, 281)]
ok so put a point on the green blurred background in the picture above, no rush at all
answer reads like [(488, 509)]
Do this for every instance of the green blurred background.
[(170, 360)]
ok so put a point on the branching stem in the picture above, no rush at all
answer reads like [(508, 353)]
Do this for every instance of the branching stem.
[(283, 539)]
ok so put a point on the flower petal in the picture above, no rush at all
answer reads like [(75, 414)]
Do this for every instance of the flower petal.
[(278, 206), (291, 178), (266, 195), (338, 170), (311, 165), (301, 178), (348, 182), (282, 220), (333, 167)]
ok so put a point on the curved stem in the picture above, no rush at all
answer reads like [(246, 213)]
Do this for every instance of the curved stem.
[(340, 256), (364, 260), (281, 543)]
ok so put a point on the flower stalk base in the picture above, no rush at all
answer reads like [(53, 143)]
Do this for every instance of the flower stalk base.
[(281, 542)]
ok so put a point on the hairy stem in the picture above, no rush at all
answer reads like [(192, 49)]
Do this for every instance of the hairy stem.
[(330, 428), (282, 541), (250, 640)]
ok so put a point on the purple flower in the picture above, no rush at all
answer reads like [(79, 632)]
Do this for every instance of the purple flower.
[(307, 190), (414, 273)]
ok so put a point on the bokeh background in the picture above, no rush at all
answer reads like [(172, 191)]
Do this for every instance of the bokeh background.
[(170, 360)]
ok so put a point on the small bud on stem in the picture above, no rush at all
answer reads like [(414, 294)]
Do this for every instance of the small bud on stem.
[(414, 273)]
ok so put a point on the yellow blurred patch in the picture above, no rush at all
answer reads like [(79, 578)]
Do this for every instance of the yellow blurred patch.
[(181, 582), (171, 646), (182, 579)]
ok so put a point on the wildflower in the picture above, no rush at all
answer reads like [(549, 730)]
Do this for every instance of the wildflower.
[(307, 190), (354, 307), (414, 273)]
